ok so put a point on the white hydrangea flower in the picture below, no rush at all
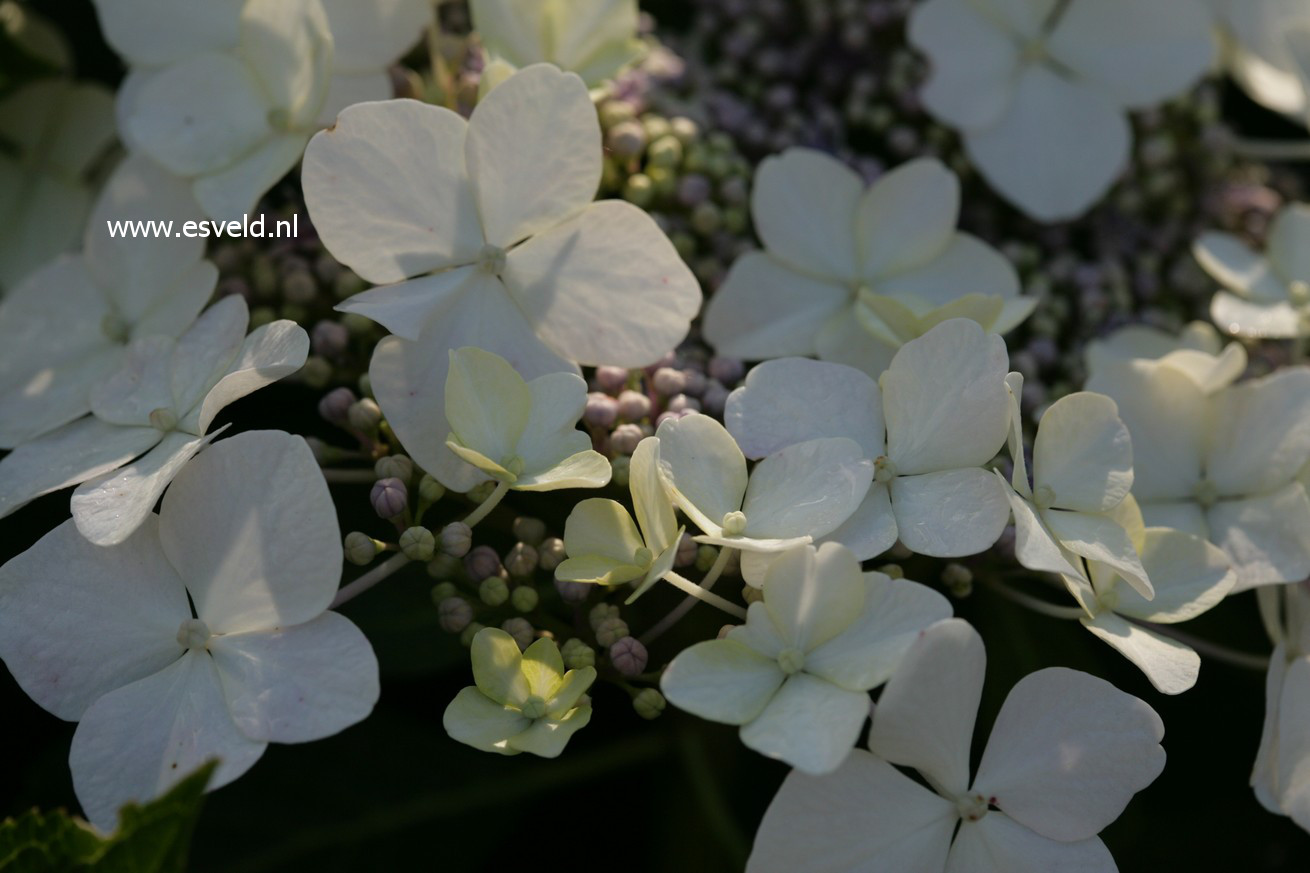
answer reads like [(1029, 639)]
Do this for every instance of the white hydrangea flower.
[(1082, 471), (797, 675), (938, 413), (57, 129), (1188, 576), (65, 329), (523, 701), (850, 273), (1264, 296), (605, 547), (593, 38), (1039, 88), (1258, 54), (106, 636), (1198, 352), (523, 434), (1066, 753), (234, 122), (368, 37), (150, 418), (792, 497), (1223, 465), (1281, 775), (494, 216)]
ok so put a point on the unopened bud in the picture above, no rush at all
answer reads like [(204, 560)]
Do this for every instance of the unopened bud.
[(456, 539), (751, 594), (621, 471), (520, 629), (481, 563), (610, 631), (611, 379), (454, 614), (493, 590), (577, 654), (360, 548), (444, 566), (706, 556), (682, 403), (572, 592), (649, 704), (527, 529), (335, 405), (600, 612), (441, 591), (394, 467), (601, 410), (467, 635), (958, 579), (896, 571), (481, 491), (669, 381), (329, 339), (418, 544), (633, 406), (521, 561), (550, 554), (727, 371), (364, 415), (389, 497), (629, 656), (524, 598), (430, 490), (688, 550), (625, 438)]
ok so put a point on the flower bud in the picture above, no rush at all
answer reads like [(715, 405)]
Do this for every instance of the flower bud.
[(335, 405), (364, 415), (572, 592), (481, 491), (444, 566), (394, 467), (298, 286), (521, 561), (610, 631), (360, 548), (481, 563), (520, 629), (418, 544), (611, 379), (329, 339), (639, 190), (705, 557), (365, 385), (633, 405), (441, 591), (714, 398), (577, 654), (693, 382), (627, 139), (625, 438), (493, 590), (550, 554), (600, 612), (728, 371), (316, 372), (524, 598), (957, 579), (629, 656), (527, 529), (665, 152), (389, 497), (454, 614), (601, 410), (687, 551), (456, 539), (430, 490), (668, 381), (895, 571), (680, 404), (620, 471), (467, 635), (649, 704)]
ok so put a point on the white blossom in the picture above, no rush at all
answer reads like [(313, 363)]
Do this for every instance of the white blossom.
[(521, 433), (65, 329), (1281, 775), (850, 273), (593, 38), (1260, 54), (1039, 88), (149, 418), (1264, 296), (796, 676), (1197, 352), (492, 223), (105, 636), (937, 414), (1065, 756)]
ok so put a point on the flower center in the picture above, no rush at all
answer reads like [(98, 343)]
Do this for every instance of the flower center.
[(194, 635), (734, 523), (534, 707), (1206, 493), (1044, 497), (642, 557), (491, 260), (971, 807), (791, 661), (883, 469), (115, 328), (1033, 51)]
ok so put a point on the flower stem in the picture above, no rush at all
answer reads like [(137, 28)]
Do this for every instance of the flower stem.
[(350, 477), (685, 606), (1036, 604), (1211, 650), (369, 579), (1273, 149), (698, 592), (484, 509)]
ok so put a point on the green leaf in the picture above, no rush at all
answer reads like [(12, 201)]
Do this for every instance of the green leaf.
[(151, 838)]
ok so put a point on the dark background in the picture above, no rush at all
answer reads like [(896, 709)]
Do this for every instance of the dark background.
[(678, 794)]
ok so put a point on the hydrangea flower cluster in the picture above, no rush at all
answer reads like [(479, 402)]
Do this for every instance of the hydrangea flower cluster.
[(596, 339)]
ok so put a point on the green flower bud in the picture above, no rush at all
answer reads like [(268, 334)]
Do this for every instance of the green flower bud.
[(705, 558), (347, 284), (444, 566), (520, 629), (550, 553), (706, 219), (364, 415), (958, 579), (657, 126), (664, 152), (418, 544), (639, 190), (600, 612), (442, 590), (893, 570), (614, 112), (524, 598), (481, 491), (529, 530), (365, 385), (649, 704), (356, 324), (361, 548), (577, 654), (430, 490), (493, 590), (610, 631), (466, 636), (394, 467), (263, 277), (620, 468), (684, 129), (316, 373)]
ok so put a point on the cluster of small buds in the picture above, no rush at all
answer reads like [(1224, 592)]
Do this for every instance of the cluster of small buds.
[(577, 654)]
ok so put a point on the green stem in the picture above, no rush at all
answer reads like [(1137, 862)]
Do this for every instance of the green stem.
[(502, 488), (369, 579), (1273, 149), (699, 592), (1036, 604), (685, 606)]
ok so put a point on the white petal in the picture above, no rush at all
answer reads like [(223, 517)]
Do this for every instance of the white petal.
[(963, 264), (721, 680), (999, 844), (372, 35), (945, 399), (950, 513), (1288, 234), (1294, 744), (62, 126), (232, 192), (702, 468), (907, 218), (1254, 320), (585, 34), (78, 621), (487, 403), (533, 153), (1211, 373), (250, 526), (206, 351), (804, 204), (600, 527), (551, 434), (180, 304), (1056, 150), (271, 352), (1035, 547), (1171, 666), (810, 723), (142, 385), (1238, 267), (511, 30), (300, 683), (871, 529), (74, 453), (650, 502), (547, 737), (1264, 772), (156, 32), (1188, 574), (347, 89), (1067, 753), (974, 62), (54, 214), (1083, 453), (792, 400), (1099, 538), (54, 396), (1141, 53), (865, 654), (1267, 537), (806, 489), (388, 192), (814, 595), (1182, 515), (135, 743), (108, 508), (477, 720), (925, 715), (406, 308), (586, 469), (864, 817), (843, 340), (765, 309), (288, 46), (1260, 436), (605, 286)]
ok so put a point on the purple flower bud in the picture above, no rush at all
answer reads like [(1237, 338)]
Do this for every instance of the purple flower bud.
[(727, 370), (456, 539), (694, 382), (714, 398), (550, 554), (669, 416), (335, 405), (329, 339), (693, 189), (601, 410), (572, 592), (521, 561), (625, 438), (520, 629), (611, 379), (482, 563), (681, 403), (629, 656), (633, 406), (687, 550), (389, 497), (455, 614)]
